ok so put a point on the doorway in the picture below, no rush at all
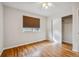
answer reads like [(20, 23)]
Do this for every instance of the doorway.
[(67, 32)]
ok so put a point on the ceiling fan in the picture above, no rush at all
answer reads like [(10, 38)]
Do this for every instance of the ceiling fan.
[(46, 5)]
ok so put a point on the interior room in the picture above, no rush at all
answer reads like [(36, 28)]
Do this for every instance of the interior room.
[(39, 29)]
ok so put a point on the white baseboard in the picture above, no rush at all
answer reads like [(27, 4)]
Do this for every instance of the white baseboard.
[(23, 44), (67, 42), (75, 50)]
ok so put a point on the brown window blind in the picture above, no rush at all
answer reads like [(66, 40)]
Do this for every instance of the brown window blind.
[(31, 22)]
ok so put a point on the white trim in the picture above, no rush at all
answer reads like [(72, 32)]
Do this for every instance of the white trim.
[(23, 44), (75, 50)]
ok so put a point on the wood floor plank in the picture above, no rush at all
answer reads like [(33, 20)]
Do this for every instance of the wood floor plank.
[(41, 49)]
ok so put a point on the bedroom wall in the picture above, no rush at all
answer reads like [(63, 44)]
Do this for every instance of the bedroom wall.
[(49, 29), (75, 31), (1, 27), (13, 28), (57, 30), (57, 25)]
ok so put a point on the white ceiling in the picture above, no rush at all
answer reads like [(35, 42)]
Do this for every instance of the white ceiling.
[(35, 7)]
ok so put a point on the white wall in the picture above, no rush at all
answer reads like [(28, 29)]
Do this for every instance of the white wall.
[(57, 30), (1, 27), (13, 28), (75, 29), (67, 29), (57, 25), (54, 29), (49, 29)]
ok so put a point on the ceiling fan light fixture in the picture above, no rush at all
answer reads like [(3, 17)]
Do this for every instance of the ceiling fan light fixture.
[(46, 5), (49, 4)]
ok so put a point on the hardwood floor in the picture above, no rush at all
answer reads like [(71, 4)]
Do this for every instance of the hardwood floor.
[(0, 53), (40, 49), (67, 45)]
